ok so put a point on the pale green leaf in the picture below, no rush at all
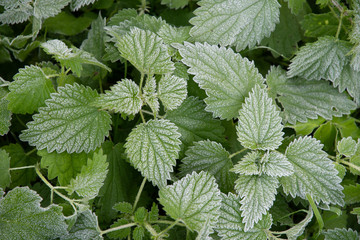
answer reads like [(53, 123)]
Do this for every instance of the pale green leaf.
[(355, 159), (352, 193), (275, 164), (5, 177), (259, 125), (85, 227), (21, 217), (210, 157), (48, 8), (249, 164), (146, 51), (123, 207), (150, 95), (153, 148), (193, 200), (124, 97), (230, 225), (91, 178), (314, 173), (349, 79), (172, 91), (122, 15), (323, 59), (294, 232), (355, 60), (226, 77), (68, 122), (139, 233), (347, 146), (341, 234), (175, 4), (63, 165), (172, 34), (240, 23), (302, 99), (77, 4), (17, 11), (5, 116), (206, 230), (258, 194), (29, 90), (296, 5)]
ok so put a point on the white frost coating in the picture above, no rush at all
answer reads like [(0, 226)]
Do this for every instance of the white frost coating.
[(153, 148), (341, 234), (172, 91), (347, 146), (249, 164), (314, 173), (323, 59), (146, 51), (150, 95), (124, 98), (85, 227), (77, 4), (258, 195), (297, 230), (275, 164), (194, 200), (240, 23), (226, 77), (68, 122), (259, 125), (48, 8), (230, 225), (349, 79)]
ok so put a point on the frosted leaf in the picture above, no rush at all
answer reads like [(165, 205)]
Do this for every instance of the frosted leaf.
[(206, 230), (276, 164), (5, 114), (323, 59), (124, 97), (347, 146), (5, 177), (22, 217), (29, 90), (193, 200), (91, 178), (210, 157), (314, 173), (294, 232), (230, 225), (153, 148), (258, 194), (302, 99), (355, 60), (240, 23), (68, 122), (146, 51), (259, 125), (226, 77), (172, 91), (77, 4), (172, 34), (16, 11), (249, 164), (150, 95), (48, 8), (85, 227), (349, 79), (341, 234)]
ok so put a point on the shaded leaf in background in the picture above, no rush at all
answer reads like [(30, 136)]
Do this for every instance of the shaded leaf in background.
[(175, 4), (347, 146), (5, 177), (5, 114), (318, 25), (352, 193)]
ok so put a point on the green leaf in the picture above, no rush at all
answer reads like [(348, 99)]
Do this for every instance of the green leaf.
[(122, 15), (17, 11), (85, 227), (63, 165), (258, 194), (77, 4), (349, 79), (172, 91), (5, 116), (139, 233), (172, 34), (230, 225), (146, 51), (241, 23), (352, 194), (123, 207), (297, 230), (140, 215), (296, 5), (150, 95), (249, 164), (124, 97), (275, 164), (122, 233), (175, 4), (68, 122), (341, 234), (210, 157), (21, 217), (314, 173), (259, 125), (347, 147), (192, 200), (5, 178), (226, 77), (355, 60), (91, 178), (153, 149), (355, 159), (302, 99), (307, 127), (318, 25), (48, 8), (327, 63), (327, 134), (29, 90), (194, 123)]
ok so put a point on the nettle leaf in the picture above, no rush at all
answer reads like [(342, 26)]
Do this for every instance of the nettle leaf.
[(296, 5), (85, 227), (249, 164), (258, 194), (175, 4), (45, 8), (352, 193), (349, 79), (327, 63), (146, 51), (21, 217), (259, 125), (341, 234), (150, 95), (193, 200), (230, 225), (210, 157), (153, 148), (347, 146), (68, 122), (302, 99), (318, 25), (172, 34), (239, 23), (124, 97), (294, 232), (77, 4), (91, 178), (29, 90), (226, 77), (5, 114), (314, 173), (194, 123), (275, 164), (172, 91), (5, 178), (15, 11)]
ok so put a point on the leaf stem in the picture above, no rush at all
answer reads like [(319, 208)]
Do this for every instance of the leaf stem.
[(126, 67), (168, 228), (30, 152), (142, 116), (273, 50), (339, 26), (317, 214), (20, 168), (238, 152), (117, 228), (150, 229), (138, 194), (168, 222), (350, 165)]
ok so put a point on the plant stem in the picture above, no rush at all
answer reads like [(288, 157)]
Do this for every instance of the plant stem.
[(141, 82), (100, 85), (20, 168), (317, 214), (168, 228), (150, 229), (350, 164), (117, 228), (142, 116), (125, 71), (168, 222), (138, 194), (238, 152), (273, 50), (339, 26), (30, 152)]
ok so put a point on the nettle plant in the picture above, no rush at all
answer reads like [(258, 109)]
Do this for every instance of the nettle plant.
[(188, 140)]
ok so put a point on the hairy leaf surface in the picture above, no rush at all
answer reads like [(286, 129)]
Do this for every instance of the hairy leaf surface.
[(172, 91), (347, 146), (48, 8), (85, 227), (77, 4), (341, 234), (349, 79), (5, 114), (5, 177)]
